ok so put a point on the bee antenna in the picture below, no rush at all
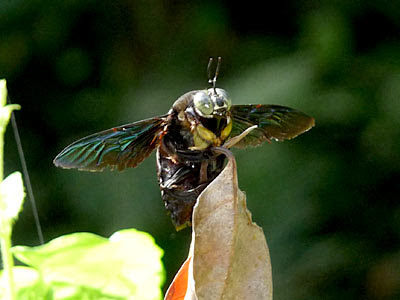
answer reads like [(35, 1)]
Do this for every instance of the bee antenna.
[(213, 80), (210, 62)]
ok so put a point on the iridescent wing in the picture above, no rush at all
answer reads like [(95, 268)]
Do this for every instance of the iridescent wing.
[(120, 147), (274, 122)]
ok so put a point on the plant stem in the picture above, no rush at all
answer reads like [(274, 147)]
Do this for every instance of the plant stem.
[(8, 264), (5, 225), (3, 124)]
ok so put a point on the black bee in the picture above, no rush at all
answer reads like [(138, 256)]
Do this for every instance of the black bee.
[(185, 137)]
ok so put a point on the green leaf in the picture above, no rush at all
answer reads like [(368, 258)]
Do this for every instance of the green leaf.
[(125, 266), (27, 283), (12, 196)]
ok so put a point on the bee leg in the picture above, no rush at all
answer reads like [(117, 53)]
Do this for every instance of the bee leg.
[(236, 139), (179, 204), (203, 172)]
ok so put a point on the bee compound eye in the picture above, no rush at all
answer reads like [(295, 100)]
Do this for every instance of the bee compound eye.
[(220, 101), (203, 104), (220, 98), (228, 103)]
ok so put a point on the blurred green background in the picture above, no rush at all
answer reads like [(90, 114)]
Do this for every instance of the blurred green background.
[(328, 201)]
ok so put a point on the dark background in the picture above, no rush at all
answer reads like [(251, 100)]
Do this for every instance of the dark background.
[(328, 201)]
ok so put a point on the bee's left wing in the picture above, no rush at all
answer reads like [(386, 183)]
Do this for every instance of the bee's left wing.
[(274, 122), (119, 147)]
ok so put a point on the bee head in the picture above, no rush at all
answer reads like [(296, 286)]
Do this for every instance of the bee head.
[(212, 102)]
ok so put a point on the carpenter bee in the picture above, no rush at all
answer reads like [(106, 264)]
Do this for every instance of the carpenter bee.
[(185, 138)]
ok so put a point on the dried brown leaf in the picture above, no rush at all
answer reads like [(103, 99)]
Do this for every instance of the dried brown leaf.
[(229, 254), (178, 287)]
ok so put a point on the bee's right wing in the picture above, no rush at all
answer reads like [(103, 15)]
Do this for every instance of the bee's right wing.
[(274, 122), (120, 147)]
